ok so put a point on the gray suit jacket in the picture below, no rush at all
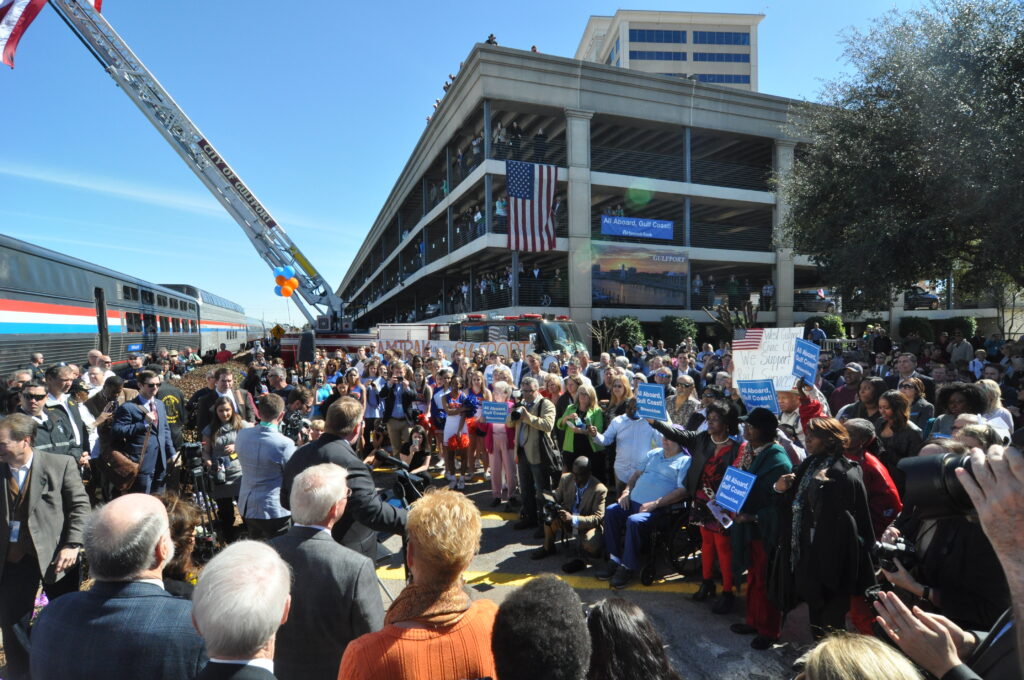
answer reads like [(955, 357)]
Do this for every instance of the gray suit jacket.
[(58, 508), (335, 599), (262, 452)]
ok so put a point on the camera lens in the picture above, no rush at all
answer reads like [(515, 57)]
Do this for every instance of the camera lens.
[(932, 485)]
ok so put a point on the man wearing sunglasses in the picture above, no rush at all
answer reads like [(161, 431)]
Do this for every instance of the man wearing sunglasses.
[(141, 425), (53, 427)]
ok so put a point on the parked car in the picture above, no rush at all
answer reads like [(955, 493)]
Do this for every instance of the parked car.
[(919, 298), (816, 300)]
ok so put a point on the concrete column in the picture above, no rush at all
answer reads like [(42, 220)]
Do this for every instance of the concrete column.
[(577, 131), (783, 161)]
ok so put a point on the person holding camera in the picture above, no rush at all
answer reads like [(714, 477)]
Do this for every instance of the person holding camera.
[(220, 459), (576, 507), (533, 419), (398, 396)]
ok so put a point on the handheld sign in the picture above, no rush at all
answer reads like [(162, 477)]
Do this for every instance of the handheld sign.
[(650, 401), (735, 487), (494, 411), (759, 394), (805, 360)]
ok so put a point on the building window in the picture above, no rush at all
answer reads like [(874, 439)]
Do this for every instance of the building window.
[(722, 78), (613, 56), (655, 36), (720, 38), (658, 56), (721, 56)]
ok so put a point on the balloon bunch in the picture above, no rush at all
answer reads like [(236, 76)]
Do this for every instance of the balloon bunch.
[(286, 281)]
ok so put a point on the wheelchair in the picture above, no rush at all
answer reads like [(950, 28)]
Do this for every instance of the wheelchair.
[(673, 546)]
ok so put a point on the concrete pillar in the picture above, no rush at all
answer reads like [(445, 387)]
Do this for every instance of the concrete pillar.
[(577, 131), (783, 161)]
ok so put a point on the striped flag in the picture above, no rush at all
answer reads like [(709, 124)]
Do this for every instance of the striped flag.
[(747, 338), (531, 193), (15, 17)]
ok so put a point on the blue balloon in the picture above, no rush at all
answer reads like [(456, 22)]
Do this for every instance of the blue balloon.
[(277, 291), (289, 272), (278, 271)]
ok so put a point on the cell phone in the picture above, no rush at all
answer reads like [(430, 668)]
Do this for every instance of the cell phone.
[(109, 408)]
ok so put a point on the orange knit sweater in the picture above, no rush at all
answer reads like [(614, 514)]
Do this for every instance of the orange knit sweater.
[(456, 652)]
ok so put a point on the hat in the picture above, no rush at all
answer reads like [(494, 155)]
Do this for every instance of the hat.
[(853, 366), (133, 355), (173, 353), (78, 386), (761, 419)]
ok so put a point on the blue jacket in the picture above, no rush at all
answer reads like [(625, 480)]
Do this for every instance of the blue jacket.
[(130, 425), (263, 452), (117, 630)]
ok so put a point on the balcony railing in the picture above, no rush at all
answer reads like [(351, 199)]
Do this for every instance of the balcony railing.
[(730, 237), (737, 175), (637, 163)]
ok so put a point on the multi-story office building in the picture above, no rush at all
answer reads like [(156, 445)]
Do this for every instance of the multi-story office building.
[(709, 47), (663, 203)]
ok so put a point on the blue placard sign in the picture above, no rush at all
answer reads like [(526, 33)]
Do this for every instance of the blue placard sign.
[(637, 227), (137, 347), (759, 394), (805, 360), (494, 411), (650, 401), (735, 487)]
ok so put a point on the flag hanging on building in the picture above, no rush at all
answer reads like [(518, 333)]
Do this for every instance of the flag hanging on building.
[(531, 195), (747, 338), (15, 17)]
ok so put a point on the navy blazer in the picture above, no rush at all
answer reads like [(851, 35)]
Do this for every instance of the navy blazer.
[(117, 630), (130, 425)]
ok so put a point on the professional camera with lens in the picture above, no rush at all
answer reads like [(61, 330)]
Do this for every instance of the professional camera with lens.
[(932, 486), (192, 458), (900, 549), (549, 511)]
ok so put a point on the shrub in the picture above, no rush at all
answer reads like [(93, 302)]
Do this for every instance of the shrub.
[(923, 326), (675, 328), (832, 324), (967, 324)]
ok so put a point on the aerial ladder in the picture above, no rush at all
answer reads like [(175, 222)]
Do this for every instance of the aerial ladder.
[(314, 296)]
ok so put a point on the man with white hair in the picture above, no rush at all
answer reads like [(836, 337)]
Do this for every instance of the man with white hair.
[(82, 634), (336, 598), (241, 599)]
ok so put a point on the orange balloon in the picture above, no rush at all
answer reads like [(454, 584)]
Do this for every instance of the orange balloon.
[(291, 283), (287, 291), (280, 280)]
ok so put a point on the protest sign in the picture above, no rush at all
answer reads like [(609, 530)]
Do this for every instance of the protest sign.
[(735, 487), (759, 394), (768, 357), (494, 411), (650, 401), (805, 360)]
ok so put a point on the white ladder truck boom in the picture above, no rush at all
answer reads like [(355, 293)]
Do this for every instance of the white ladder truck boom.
[(266, 235)]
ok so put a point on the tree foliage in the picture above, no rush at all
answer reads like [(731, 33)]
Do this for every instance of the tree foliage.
[(626, 328), (912, 169), (923, 326), (832, 324), (675, 328)]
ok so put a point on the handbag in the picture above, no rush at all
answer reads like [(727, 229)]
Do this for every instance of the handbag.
[(550, 458), (119, 469), (781, 584)]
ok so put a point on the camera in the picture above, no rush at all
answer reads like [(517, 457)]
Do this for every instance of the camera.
[(900, 549), (192, 458), (931, 485), (549, 511)]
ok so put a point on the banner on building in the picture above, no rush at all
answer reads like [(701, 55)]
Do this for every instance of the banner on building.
[(637, 275)]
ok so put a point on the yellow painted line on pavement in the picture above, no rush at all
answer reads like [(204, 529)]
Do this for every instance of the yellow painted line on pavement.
[(494, 579)]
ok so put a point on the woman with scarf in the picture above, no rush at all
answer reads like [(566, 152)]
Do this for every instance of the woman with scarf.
[(433, 628), (828, 534)]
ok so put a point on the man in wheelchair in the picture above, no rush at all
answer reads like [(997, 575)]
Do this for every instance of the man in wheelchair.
[(576, 507), (658, 482)]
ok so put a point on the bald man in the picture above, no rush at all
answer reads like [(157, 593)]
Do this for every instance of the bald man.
[(81, 635)]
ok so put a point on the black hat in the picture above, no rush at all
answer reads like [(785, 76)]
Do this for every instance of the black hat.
[(78, 386), (133, 355), (761, 419)]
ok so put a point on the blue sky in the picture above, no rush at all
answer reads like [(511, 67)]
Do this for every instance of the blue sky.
[(316, 105)]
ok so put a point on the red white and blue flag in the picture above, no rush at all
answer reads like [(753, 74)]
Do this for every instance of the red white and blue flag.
[(15, 17), (531, 196), (747, 338)]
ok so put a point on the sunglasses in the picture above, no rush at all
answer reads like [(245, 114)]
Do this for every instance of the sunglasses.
[(33, 397)]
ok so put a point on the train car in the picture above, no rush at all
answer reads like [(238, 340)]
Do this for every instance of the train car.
[(221, 321), (255, 329), (63, 307)]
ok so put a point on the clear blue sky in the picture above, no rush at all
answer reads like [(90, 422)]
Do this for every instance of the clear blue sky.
[(316, 105)]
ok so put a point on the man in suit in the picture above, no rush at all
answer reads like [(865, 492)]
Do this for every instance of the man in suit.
[(58, 387), (398, 396), (365, 513), (126, 625), (224, 386), (141, 427), (43, 508), (241, 599), (517, 366), (582, 500), (532, 420), (263, 452), (906, 367), (335, 598), (112, 392)]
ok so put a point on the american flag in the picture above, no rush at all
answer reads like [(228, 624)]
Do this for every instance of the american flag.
[(15, 17), (531, 193), (747, 338)]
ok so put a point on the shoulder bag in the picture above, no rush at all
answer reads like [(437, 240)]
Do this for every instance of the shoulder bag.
[(119, 469)]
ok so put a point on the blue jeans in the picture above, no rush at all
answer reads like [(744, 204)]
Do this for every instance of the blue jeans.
[(532, 483), (625, 531)]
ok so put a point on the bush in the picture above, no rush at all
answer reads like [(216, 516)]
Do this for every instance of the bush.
[(627, 329), (832, 324), (675, 328), (967, 324), (923, 326)]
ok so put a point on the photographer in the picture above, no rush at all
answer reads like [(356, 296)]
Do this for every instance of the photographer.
[(533, 419), (957, 572), (576, 507), (398, 396), (295, 425)]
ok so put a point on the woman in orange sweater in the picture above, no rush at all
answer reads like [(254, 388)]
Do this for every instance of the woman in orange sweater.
[(433, 629)]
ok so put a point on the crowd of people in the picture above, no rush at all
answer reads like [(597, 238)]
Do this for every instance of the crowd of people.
[(834, 520)]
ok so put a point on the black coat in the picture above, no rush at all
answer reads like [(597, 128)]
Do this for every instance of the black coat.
[(388, 395)]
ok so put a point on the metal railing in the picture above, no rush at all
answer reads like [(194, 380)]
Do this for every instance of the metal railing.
[(550, 151), (637, 163), (737, 175), (730, 237)]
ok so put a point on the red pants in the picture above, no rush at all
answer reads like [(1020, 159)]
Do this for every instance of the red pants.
[(714, 544), (761, 613), (861, 614)]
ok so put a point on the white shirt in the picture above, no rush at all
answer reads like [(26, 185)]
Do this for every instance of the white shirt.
[(152, 581), (266, 664), (311, 526), (20, 473), (230, 395)]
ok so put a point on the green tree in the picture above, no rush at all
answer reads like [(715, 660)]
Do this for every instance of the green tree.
[(832, 324), (912, 168), (675, 328), (626, 328)]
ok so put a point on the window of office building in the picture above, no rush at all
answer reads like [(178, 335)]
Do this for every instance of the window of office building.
[(722, 78), (721, 56), (656, 36), (720, 38), (657, 56), (613, 56)]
